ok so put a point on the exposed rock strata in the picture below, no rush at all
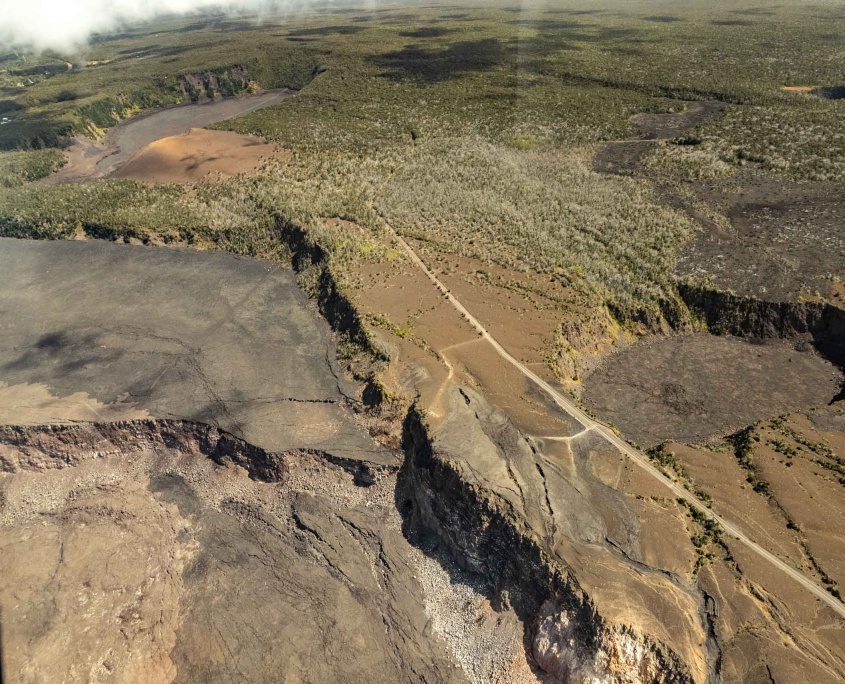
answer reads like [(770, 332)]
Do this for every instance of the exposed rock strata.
[(567, 637), (142, 551), (445, 503), (817, 323)]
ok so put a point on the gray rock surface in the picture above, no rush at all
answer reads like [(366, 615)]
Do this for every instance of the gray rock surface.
[(127, 554), (171, 333)]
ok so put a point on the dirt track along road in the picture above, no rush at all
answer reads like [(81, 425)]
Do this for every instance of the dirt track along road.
[(610, 436)]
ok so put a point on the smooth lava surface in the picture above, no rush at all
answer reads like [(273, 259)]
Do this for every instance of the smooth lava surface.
[(94, 331), (697, 388)]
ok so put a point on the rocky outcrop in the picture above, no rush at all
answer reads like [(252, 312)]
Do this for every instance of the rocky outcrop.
[(222, 82), (188, 571), (619, 656), (565, 635), (819, 324), (47, 447)]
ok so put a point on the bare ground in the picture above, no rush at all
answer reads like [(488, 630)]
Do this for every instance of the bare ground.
[(152, 562), (626, 533), (99, 330), (624, 157), (196, 156), (89, 159)]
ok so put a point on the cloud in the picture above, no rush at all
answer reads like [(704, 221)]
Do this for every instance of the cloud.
[(66, 25)]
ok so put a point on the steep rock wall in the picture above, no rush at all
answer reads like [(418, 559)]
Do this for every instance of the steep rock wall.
[(724, 313), (565, 635)]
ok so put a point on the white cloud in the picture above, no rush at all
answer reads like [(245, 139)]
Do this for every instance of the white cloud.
[(68, 24)]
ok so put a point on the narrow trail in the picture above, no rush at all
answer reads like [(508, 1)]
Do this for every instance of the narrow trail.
[(553, 438), (635, 455)]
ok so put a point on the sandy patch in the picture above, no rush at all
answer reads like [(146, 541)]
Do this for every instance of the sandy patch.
[(34, 403), (196, 155)]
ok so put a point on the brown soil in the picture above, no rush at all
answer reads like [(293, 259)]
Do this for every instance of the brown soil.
[(618, 530), (788, 492), (755, 614), (194, 156), (130, 554), (700, 387), (522, 310), (627, 540)]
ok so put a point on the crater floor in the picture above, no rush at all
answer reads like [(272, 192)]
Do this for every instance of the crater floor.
[(700, 387), (96, 331)]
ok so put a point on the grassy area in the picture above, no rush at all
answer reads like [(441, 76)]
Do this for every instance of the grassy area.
[(23, 166), (468, 127), (541, 210)]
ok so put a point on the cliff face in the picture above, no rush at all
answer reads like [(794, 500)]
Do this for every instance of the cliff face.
[(564, 586), (51, 447), (565, 635), (199, 557), (474, 489), (724, 313), (225, 82)]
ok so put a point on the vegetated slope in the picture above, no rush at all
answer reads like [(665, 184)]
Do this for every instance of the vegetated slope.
[(606, 236), (137, 71), (523, 90), (20, 167)]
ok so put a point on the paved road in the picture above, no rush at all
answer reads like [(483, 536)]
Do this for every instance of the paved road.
[(638, 457)]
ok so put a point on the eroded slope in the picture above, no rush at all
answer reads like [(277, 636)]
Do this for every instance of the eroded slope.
[(172, 552)]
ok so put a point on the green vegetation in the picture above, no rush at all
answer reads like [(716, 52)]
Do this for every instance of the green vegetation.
[(19, 167), (743, 448), (540, 210), (666, 459), (708, 533), (800, 136), (46, 99), (473, 130)]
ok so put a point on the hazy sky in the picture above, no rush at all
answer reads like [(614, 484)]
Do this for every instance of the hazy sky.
[(67, 24)]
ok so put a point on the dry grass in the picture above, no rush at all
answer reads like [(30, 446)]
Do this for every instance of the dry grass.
[(605, 235), (23, 166)]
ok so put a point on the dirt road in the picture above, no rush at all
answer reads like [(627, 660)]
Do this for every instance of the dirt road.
[(611, 437)]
